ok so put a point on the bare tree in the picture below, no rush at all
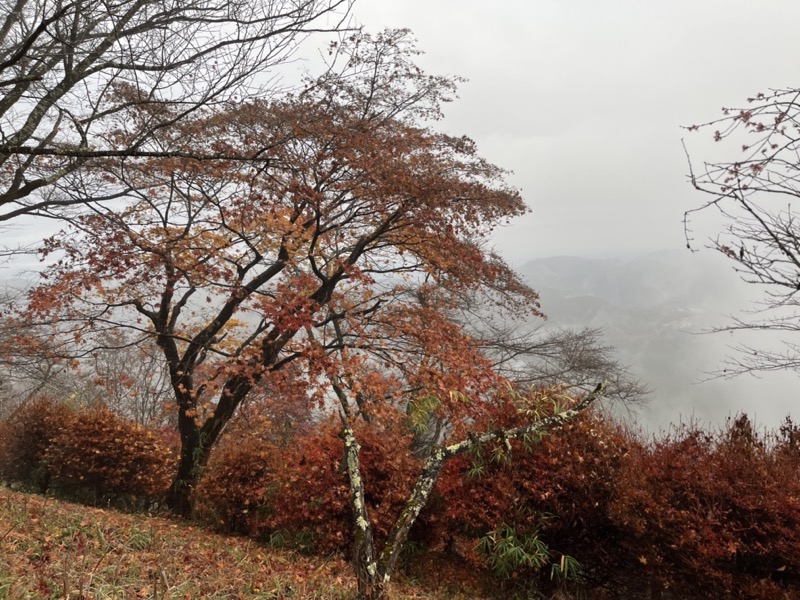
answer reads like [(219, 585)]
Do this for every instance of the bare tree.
[(123, 375), (761, 236), (72, 70), (571, 358), (530, 353), (130, 379)]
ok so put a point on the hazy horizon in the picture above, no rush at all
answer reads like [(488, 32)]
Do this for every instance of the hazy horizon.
[(584, 103)]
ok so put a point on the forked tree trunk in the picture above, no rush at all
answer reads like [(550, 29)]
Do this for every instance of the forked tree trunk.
[(196, 445), (197, 442), (373, 576), (179, 499)]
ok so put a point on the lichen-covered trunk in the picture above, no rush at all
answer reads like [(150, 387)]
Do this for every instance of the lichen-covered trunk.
[(374, 576), (364, 564), (402, 526)]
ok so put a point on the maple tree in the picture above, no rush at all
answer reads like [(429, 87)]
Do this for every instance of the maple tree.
[(753, 191), (325, 271), (70, 70), (238, 270)]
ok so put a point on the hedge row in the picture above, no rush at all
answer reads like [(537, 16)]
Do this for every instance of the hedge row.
[(89, 454), (690, 514)]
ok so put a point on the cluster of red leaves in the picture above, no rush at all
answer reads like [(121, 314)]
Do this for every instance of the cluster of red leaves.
[(256, 486), (25, 436), (713, 513), (94, 451), (558, 487)]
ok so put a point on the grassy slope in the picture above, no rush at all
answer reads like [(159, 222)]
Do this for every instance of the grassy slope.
[(54, 549)]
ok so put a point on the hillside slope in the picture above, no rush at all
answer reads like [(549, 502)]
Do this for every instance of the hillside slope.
[(55, 549)]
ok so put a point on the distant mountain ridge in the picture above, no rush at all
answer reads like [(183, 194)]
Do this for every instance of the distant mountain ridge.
[(653, 307)]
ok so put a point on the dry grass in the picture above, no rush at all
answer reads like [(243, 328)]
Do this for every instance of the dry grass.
[(54, 549)]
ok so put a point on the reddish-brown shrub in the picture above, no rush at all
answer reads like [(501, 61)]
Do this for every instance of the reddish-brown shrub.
[(231, 493), (710, 515), (111, 457), (310, 494), (786, 444), (25, 437), (558, 487), (692, 514), (695, 513), (300, 490)]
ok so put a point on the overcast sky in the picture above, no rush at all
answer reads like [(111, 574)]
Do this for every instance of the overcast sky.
[(584, 99)]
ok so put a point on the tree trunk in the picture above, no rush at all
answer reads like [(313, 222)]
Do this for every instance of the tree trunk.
[(196, 443), (373, 576), (383, 569), (364, 565), (375, 591), (179, 499)]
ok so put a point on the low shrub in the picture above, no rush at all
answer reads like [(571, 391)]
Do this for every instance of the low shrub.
[(710, 515), (310, 495), (231, 493), (25, 437), (298, 494), (555, 490), (105, 458)]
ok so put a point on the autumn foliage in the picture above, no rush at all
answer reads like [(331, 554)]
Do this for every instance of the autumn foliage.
[(25, 437), (556, 489), (693, 512), (344, 252), (712, 512), (88, 453), (298, 493), (315, 480), (307, 296), (111, 457)]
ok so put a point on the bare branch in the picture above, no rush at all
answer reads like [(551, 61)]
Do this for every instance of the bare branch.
[(755, 195), (99, 63)]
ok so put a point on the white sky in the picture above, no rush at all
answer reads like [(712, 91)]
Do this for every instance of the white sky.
[(584, 99)]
